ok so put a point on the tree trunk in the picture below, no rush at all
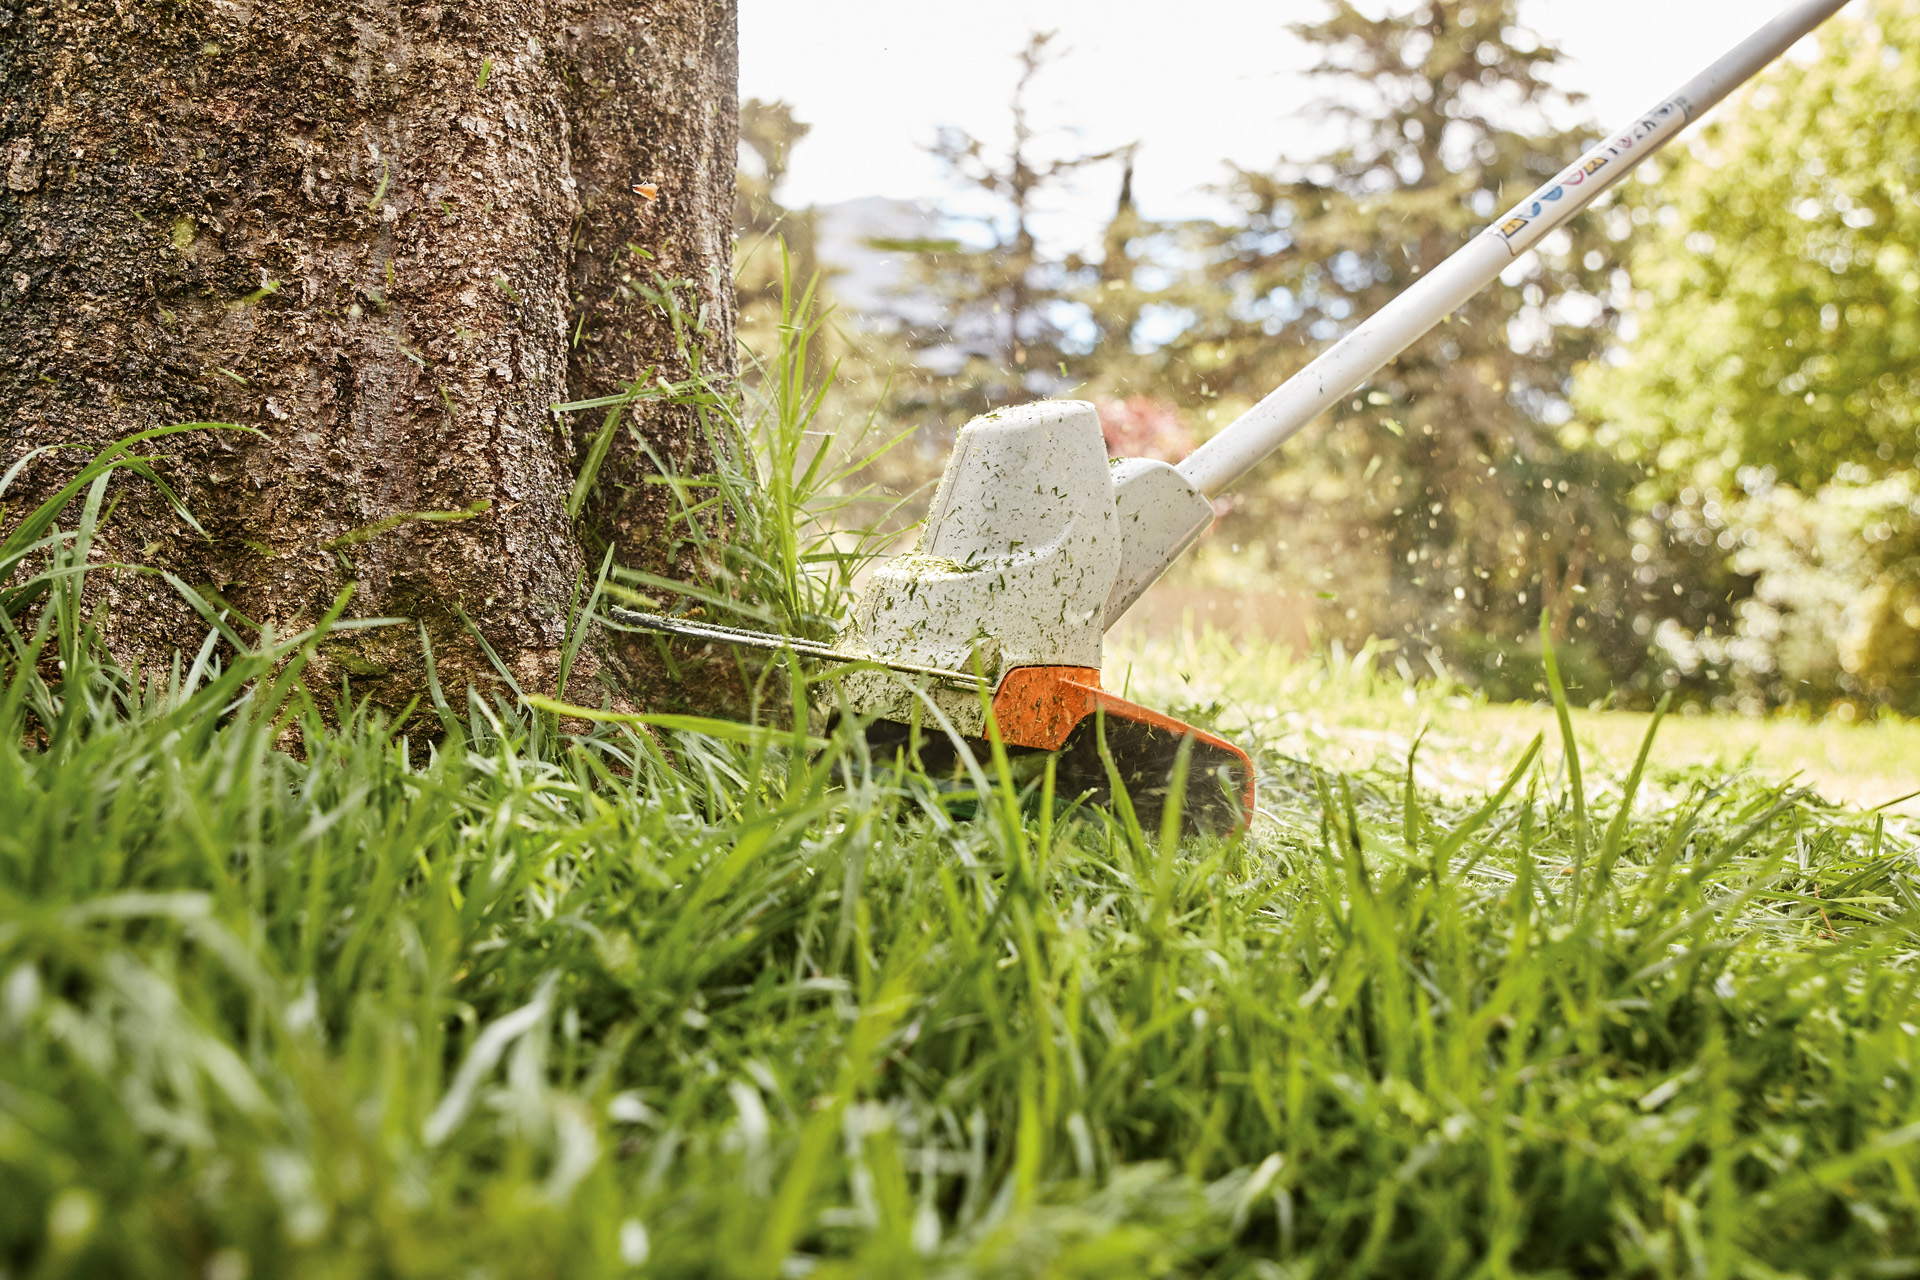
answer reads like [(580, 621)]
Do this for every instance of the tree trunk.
[(386, 239), (655, 127)]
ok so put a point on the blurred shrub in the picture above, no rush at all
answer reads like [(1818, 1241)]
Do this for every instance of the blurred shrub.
[(1145, 427), (1779, 291), (1835, 610), (1771, 391)]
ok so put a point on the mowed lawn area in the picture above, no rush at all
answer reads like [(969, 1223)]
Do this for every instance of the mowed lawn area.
[(292, 994), (1349, 715)]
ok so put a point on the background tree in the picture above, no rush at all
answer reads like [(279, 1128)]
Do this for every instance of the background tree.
[(1440, 505), (386, 240), (777, 243), (1770, 391), (1002, 328)]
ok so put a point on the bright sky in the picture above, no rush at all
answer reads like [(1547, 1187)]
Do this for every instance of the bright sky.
[(1195, 81)]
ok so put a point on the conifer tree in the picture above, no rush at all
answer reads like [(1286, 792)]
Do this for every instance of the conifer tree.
[(1439, 506), (1006, 315)]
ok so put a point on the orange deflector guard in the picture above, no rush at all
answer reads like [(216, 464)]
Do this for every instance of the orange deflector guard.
[(1042, 706)]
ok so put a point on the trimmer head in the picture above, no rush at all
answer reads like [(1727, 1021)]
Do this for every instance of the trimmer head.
[(993, 627), (1063, 711), (1035, 710), (1025, 561)]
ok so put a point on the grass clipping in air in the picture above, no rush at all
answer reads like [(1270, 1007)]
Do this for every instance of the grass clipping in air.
[(525, 1002)]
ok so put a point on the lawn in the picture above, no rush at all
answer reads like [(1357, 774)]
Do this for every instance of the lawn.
[(504, 1000), (1344, 713)]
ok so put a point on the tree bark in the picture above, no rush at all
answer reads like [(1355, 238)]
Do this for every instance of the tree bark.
[(655, 126), (386, 239)]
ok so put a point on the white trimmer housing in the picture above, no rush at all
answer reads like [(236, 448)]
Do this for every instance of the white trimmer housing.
[(1161, 514), (1036, 544), (1015, 565)]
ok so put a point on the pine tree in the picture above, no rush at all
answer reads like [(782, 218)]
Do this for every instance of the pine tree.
[(1439, 506), (1004, 332)]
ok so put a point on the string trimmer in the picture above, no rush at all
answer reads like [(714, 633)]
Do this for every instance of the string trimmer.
[(1035, 545)]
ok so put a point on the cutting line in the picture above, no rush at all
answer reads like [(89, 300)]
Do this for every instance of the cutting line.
[(742, 638)]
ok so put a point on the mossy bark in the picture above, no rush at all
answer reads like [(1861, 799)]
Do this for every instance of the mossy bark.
[(385, 238)]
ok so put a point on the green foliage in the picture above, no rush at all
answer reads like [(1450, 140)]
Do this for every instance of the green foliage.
[(35, 538), (1770, 390), (1780, 325), (291, 995), (1835, 609), (784, 522)]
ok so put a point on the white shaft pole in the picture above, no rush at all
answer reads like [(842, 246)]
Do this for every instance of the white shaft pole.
[(1345, 367)]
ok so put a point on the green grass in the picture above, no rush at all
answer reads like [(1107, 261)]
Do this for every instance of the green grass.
[(1350, 712), (278, 998), (285, 991)]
